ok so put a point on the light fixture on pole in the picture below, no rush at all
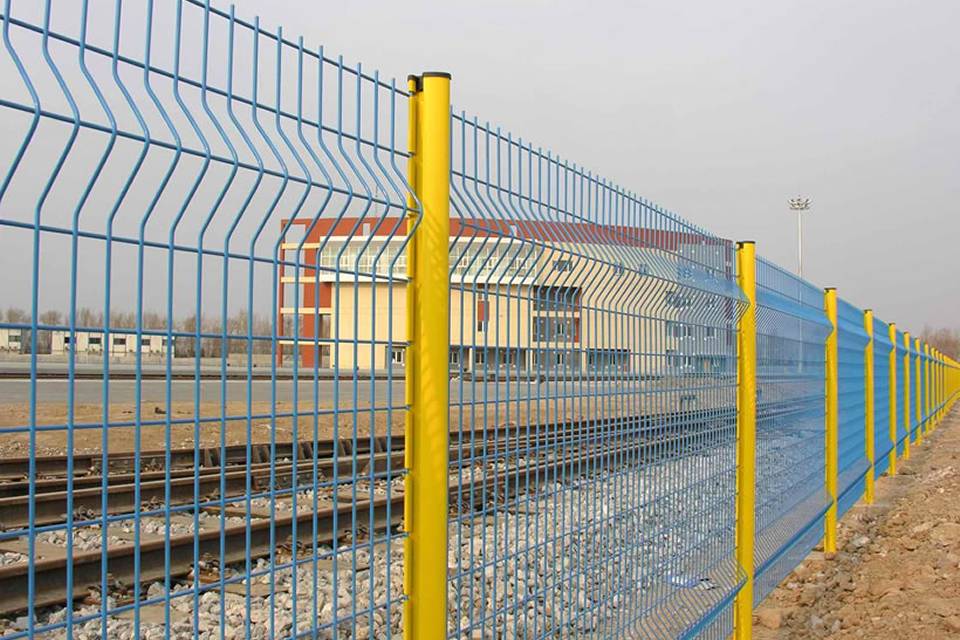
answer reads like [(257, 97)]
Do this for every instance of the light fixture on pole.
[(799, 205)]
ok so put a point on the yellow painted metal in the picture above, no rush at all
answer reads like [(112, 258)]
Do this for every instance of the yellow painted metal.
[(746, 437), (935, 386), (410, 355), (832, 417), (892, 382), (425, 504), (918, 403), (928, 389), (906, 395), (868, 423), (934, 410)]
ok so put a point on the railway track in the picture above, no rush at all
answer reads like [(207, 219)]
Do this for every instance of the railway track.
[(557, 452)]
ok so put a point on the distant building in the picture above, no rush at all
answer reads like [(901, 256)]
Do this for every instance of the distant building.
[(92, 342), (522, 298), (14, 340)]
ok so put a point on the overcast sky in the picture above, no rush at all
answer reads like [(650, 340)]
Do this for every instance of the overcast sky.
[(719, 111)]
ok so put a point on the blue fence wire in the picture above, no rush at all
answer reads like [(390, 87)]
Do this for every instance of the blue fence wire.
[(170, 168), (207, 226), (595, 427), (852, 459), (883, 446), (790, 496)]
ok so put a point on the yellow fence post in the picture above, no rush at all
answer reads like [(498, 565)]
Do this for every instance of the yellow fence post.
[(935, 365), (907, 409), (746, 437), (928, 389), (892, 378), (940, 386), (918, 404), (427, 372), (832, 356), (868, 423), (933, 388)]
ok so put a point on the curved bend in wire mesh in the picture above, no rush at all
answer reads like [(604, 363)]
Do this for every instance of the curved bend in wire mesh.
[(852, 463), (593, 403), (882, 443), (790, 497), (209, 211)]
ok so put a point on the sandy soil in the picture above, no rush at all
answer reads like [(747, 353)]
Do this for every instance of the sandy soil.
[(122, 435), (897, 574)]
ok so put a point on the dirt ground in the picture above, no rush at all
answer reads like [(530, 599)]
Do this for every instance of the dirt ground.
[(897, 574), (87, 436), (14, 442)]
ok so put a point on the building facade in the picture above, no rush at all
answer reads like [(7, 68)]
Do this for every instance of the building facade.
[(92, 342), (522, 299)]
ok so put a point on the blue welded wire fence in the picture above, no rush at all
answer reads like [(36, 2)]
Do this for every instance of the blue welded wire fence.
[(852, 457), (209, 230), (599, 329), (167, 163), (791, 500), (903, 400), (882, 444)]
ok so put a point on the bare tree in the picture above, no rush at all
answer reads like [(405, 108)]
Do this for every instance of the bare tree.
[(17, 316), (944, 339)]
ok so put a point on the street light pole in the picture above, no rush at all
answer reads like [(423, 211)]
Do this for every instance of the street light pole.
[(799, 205)]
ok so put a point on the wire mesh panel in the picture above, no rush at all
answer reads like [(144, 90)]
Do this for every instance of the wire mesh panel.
[(902, 388), (883, 445), (914, 389), (852, 459), (592, 404), (922, 359), (203, 224), (790, 496)]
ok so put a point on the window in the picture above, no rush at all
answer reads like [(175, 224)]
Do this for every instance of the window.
[(610, 360), (456, 356), (546, 329), (397, 355), (678, 329), (95, 341), (561, 265), (120, 341), (709, 332), (479, 356), (556, 360), (677, 300), (14, 337), (483, 310), (556, 299), (145, 341), (66, 340)]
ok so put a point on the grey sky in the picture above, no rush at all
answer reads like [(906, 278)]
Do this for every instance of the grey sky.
[(719, 111)]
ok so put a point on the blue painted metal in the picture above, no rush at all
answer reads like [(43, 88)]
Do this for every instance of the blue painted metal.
[(902, 427), (790, 497), (882, 445), (203, 196), (175, 174), (596, 334), (853, 464)]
